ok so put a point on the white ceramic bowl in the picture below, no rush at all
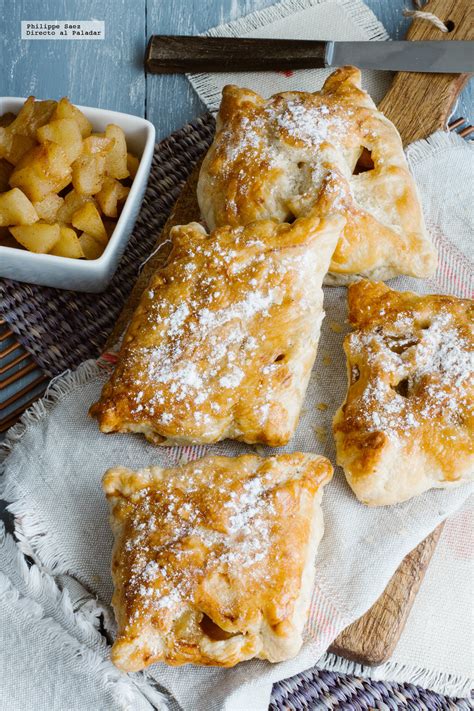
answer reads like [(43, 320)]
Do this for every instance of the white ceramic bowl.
[(81, 274)]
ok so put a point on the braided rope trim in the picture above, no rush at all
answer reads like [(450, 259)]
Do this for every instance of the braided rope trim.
[(427, 17), (420, 14)]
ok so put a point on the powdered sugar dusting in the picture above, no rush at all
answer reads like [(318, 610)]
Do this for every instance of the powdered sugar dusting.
[(171, 364), (290, 142), (271, 158), (300, 119), (418, 373), (311, 123), (205, 328), (250, 138), (188, 527)]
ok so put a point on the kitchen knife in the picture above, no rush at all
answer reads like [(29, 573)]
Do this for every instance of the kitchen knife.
[(168, 54)]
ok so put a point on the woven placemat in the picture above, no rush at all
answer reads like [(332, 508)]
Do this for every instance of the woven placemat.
[(63, 328), (319, 690)]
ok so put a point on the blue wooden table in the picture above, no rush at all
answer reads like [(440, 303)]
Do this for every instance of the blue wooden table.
[(109, 73)]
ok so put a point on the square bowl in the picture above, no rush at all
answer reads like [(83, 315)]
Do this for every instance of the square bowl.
[(81, 274)]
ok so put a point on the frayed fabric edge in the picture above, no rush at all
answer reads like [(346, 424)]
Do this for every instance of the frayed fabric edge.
[(361, 15), (454, 685), (38, 586), (35, 596), (438, 141), (30, 534), (29, 528)]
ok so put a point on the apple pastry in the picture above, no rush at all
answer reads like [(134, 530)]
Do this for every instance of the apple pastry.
[(331, 151), (213, 562), (224, 339), (408, 420)]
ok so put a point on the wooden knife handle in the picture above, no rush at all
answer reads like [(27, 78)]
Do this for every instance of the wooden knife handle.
[(419, 104), (167, 54)]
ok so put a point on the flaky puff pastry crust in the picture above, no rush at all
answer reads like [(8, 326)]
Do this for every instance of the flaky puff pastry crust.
[(295, 151), (224, 338), (408, 420), (213, 562)]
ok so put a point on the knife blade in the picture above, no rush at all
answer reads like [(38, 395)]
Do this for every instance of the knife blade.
[(173, 54)]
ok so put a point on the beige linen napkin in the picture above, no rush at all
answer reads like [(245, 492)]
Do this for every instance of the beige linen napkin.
[(56, 457), (52, 655), (436, 649)]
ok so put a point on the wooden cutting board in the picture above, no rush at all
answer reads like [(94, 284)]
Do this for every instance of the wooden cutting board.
[(418, 104)]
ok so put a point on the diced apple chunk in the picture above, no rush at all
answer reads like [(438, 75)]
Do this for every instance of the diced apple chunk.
[(72, 202), (88, 219), (31, 116), (111, 193), (116, 159), (14, 146), (66, 110), (39, 238), (43, 170), (91, 247), (16, 209), (97, 143), (88, 174), (64, 132), (17, 137), (68, 244), (47, 209)]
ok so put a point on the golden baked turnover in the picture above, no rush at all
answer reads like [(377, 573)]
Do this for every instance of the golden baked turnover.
[(225, 336), (331, 150), (408, 420), (213, 561)]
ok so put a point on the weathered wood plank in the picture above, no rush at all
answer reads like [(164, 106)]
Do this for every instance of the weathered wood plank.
[(105, 73), (419, 104)]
